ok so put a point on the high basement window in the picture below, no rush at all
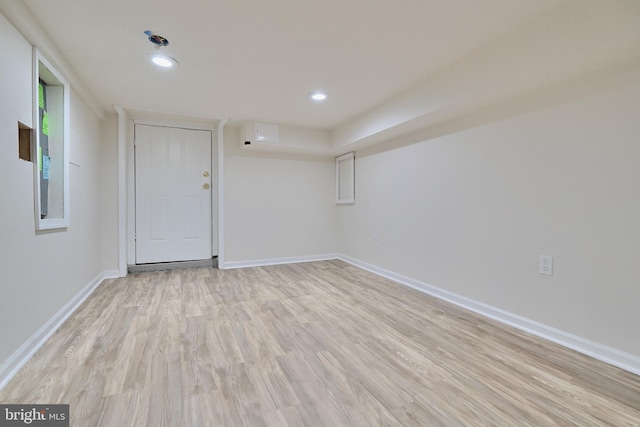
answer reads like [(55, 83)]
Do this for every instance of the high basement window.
[(345, 179), (51, 165)]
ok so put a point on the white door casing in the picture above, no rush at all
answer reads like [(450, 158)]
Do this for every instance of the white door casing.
[(173, 187)]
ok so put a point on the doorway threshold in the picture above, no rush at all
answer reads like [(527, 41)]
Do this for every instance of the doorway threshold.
[(177, 265)]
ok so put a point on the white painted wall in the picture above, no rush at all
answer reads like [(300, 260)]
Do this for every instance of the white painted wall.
[(276, 205), (109, 192), (471, 211), (40, 273)]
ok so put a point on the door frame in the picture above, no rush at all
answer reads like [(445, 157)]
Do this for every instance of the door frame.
[(127, 119)]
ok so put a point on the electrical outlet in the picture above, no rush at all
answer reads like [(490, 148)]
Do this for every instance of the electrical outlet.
[(376, 234), (545, 265)]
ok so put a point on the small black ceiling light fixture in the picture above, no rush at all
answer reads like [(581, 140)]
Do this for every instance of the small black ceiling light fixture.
[(158, 59), (157, 40)]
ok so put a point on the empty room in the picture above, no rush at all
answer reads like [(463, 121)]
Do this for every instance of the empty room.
[(320, 213)]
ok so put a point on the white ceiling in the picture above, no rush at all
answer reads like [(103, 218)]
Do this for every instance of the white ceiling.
[(260, 59)]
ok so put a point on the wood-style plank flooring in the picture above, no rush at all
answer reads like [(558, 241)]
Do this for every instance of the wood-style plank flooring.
[(313, 344)]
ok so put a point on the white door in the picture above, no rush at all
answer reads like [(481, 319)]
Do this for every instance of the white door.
[(173, 194)]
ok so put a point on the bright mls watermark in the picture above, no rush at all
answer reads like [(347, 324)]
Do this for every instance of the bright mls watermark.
[(34, 415)]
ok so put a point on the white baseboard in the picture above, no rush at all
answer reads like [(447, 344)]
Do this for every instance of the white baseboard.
[(276, 261), (17, 360), (610, 355), (112, 274)]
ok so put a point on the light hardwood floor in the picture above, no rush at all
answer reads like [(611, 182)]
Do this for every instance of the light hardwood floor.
[(313, 344)]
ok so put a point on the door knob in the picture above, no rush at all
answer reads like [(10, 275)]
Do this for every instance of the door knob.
[(205, 174), (205, 186)]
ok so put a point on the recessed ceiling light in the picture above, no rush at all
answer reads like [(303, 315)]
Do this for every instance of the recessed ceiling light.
[(318, 96), (164, 61)]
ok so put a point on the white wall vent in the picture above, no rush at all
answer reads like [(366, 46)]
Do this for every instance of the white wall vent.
[(257, 132)]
